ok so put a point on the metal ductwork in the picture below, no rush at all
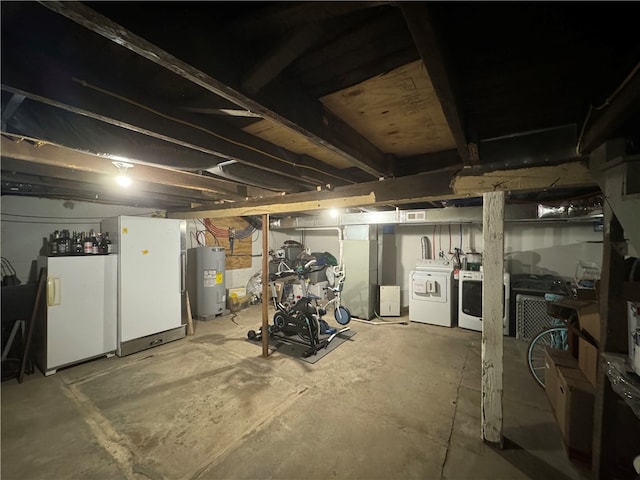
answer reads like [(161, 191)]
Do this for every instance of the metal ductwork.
[(447, 215), (237, 172), (590, 207)]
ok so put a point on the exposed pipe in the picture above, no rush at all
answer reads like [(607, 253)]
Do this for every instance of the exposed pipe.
[(425, 248)]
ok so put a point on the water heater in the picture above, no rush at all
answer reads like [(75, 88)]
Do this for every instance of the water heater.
[(206, 282)]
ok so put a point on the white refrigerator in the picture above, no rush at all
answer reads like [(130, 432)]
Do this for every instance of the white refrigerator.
[(151, 285), (79, 322)]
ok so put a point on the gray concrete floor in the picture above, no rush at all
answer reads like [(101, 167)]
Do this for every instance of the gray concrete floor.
[(395, 402)]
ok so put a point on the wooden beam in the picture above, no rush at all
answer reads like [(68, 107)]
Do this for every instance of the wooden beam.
[(613, 339), (299, 116), (281, 57), (273, 208), (428, 162), (492, 317), (58, 178), (48, 124), (403, 190), (48, 154), (141, 116), (12, 105), (284, 16), (572, 174), (417, 17), (619, 107)]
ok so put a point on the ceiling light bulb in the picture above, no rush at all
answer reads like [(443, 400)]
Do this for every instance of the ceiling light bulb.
[(123, 180)]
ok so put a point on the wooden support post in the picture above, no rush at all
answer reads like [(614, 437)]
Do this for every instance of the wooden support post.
[(613, 339), (189, 315), (492, 317), (265, 285), (41, 295)]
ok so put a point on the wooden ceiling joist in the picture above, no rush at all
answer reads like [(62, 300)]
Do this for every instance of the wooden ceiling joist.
[(623, 103), (54, 155), (53, 177), (303, 115), (158, 121), (288, 15), (281, 57), (417, 17)]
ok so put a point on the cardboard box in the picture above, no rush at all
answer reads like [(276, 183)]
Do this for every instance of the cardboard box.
[(588, 360), (586, 294), (554, 360), (279, 290), (238, 291), (236, 303), (574, 411), (589, 320)]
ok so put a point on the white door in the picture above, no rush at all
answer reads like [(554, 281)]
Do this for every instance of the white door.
[(80, 308), (150, 274)]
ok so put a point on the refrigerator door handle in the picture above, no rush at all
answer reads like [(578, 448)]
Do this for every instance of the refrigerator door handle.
[(53, 291), (183, 271)]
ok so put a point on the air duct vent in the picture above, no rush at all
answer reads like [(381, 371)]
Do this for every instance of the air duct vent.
[(415, 216)]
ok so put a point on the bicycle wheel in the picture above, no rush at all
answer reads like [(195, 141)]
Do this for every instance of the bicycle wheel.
[(342, 314), (554, 337)]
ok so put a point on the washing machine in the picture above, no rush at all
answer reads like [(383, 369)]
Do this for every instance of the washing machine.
[(431, 300), (470, 300)]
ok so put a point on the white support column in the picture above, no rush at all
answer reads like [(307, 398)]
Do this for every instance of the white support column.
[(492, 314)]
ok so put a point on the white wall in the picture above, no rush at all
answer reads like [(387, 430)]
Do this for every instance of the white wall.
[(28, 222), (536, 248)]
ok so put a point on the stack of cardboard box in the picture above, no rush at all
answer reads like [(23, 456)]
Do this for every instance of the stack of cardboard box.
[(571, 379)]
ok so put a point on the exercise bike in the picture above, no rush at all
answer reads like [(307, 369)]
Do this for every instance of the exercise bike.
[(303, 319)]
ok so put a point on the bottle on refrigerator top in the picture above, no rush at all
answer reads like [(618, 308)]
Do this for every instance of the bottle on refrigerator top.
[(107, 241), (95, 248), (88, 243), (53, 243), (78, 246), (62, 244)]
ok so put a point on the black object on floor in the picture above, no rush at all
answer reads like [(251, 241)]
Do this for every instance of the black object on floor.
[(289, 346)]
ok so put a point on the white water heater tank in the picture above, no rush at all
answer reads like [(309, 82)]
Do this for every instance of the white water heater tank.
[(206, 281)]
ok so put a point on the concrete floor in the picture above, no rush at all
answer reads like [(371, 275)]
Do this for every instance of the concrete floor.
[(395, 402)]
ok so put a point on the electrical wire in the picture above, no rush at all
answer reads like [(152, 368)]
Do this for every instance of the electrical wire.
[(450, 252), (84, 83)]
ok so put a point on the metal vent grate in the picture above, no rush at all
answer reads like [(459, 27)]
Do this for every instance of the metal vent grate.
[(531, 316)]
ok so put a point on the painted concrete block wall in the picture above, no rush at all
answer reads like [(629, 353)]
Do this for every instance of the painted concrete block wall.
[(28, 222)]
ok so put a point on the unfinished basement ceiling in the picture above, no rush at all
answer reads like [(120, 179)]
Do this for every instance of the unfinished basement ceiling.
[(281, 107)]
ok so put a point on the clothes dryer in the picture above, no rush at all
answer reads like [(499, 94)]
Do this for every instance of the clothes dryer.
[(470, 300), (431, 300)]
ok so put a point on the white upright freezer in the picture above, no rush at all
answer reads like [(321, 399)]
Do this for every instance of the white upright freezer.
[(79, 322), (151, 284)]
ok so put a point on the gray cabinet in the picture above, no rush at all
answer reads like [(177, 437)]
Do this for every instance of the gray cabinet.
[(360, 288)]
